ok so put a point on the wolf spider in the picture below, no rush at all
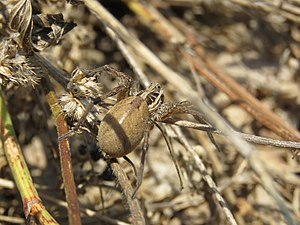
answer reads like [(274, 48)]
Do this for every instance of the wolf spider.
[(131, 119)]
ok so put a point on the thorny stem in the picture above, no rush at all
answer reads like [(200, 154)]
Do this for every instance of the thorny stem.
[(133, 203), (65, 157), (32, 202)]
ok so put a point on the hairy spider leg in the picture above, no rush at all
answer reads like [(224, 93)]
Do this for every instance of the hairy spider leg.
[(140, 173)]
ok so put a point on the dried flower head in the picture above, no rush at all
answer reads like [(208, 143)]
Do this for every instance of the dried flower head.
[(81, 90), (15, 67)]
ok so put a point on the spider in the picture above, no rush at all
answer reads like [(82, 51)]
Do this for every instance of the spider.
[(131, 118)]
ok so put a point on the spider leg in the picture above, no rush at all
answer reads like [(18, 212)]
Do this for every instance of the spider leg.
[(80, 122), (171, 150), (131, 163), (141, 169), (168, 109)]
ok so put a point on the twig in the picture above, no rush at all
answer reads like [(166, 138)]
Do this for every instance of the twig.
[(10, 219), (65, 156), (248, 137), (210, 182), (135, 209), (129, 57), (59, 75)]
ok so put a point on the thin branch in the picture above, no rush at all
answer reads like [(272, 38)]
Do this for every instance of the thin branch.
[(130, 58), (59, 75), (133, 203), (248, 137), (65, 156), (208, 179)]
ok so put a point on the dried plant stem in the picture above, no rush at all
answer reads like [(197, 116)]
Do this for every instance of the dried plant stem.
[(285, 9), (210, 182), (129, 57), (10, 219), (135, 209), (65, 156), (137, 46), (40, 62), (248, 137), (32, 202)]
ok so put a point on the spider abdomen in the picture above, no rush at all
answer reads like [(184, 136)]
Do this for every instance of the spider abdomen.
[(124, 126)]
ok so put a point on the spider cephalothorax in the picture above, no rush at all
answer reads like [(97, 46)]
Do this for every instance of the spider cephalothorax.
[(153, 95)]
